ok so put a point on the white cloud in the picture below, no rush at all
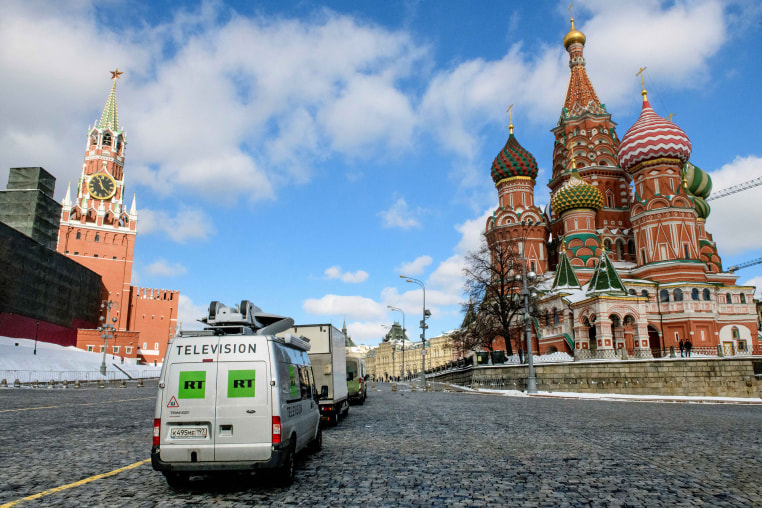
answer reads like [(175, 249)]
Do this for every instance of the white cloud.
[(416, 266), (335, 272), (354, 307), (366, 332), (188, 313), (400, 216), (192, 88), (728, 221), (757, 283), (187, 224), (162, 267)]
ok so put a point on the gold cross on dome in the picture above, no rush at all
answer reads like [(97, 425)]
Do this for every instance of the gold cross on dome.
[(570, 11), (510, 119), (116, 74), (669, 116), (640, 73)]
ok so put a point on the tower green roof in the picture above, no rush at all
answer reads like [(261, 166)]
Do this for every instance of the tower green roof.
[(605, 280), (110, 116), (565, 276)]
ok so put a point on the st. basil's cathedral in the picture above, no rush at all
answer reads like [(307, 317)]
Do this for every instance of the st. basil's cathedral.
[(626, 265)]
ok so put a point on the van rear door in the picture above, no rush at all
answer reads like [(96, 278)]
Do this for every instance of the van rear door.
[(243, 429), (188, 415)]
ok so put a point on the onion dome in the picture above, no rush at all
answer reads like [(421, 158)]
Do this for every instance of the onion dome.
[(652, 137), (513, 160), (574, 194), (573, 36), (697, 181), (702, 207)]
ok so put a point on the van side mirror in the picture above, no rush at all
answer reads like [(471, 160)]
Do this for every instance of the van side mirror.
[(324, 392)]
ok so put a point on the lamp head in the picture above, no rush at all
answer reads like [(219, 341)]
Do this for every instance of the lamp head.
[(531, 276)]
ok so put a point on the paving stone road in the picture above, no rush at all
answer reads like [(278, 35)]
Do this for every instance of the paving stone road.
[(402, 449)]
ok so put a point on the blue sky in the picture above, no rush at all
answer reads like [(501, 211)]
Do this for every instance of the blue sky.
[(302, 155)]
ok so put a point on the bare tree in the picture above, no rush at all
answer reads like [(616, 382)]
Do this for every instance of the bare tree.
[(491, 281)]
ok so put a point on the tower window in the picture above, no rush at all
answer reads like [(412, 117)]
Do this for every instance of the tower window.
[(95, 255), (97, 237), (728, 298), (694, 294), (685, 248), (678, 294), (743, 298), (79, 235), (706, 295), (664, 296), (107, 139), (611, 201)]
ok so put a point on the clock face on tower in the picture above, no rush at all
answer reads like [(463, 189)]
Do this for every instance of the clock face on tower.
[(101, 186)]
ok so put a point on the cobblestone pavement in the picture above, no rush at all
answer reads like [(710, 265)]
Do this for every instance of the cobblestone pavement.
[(402, 449)]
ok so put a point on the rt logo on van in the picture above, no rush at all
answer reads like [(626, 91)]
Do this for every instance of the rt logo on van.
[(241, 383), (192, 385)]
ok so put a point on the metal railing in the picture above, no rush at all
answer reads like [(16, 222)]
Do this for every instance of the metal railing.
[(44, 376)]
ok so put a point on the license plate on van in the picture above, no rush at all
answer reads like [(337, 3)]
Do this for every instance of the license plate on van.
[(188, 433)]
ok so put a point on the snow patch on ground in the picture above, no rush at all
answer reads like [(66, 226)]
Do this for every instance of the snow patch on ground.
[(18, 361)]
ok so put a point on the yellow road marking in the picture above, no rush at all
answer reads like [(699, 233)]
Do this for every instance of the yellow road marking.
[(75, 484), (72, 405)]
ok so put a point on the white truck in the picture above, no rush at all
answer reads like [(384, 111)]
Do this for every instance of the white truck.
[(329, 363), (235, 397)]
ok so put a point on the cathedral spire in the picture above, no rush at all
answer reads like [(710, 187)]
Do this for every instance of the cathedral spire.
[(110, 115), (580, 95)]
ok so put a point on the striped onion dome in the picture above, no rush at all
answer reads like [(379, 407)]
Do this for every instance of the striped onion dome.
[(652, 137), (513, 160), (574, 194), (702, 207), (697, 181)]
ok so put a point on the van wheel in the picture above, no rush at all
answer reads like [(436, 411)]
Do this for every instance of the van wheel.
[(317, 444), (176, 481), (333, 420), (285, 474)]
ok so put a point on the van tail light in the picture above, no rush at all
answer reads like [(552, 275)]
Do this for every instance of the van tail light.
[(156, 431), (276, 429)]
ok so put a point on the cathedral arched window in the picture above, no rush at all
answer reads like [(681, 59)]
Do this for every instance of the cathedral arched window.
[(631, 247), (632, 292), (678, 295), (555, 316), (706, 295), (644, 293), (610, 200), (743, 298), (663, 295), (728, 298), (694, 294), (607, 244)]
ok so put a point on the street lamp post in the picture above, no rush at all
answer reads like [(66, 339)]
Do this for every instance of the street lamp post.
[(403, 336), (107, 330), (426, 314), (531, 380), (391, 340)]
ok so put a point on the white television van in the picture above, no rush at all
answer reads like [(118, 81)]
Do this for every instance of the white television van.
[(234, 397)]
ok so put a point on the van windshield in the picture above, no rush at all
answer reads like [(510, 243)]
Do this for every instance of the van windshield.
[(351, 369)]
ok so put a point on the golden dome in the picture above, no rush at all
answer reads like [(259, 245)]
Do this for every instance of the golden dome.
[(573, 36)]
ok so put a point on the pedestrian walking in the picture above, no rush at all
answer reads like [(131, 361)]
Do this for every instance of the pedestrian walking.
[(688, 347), (682, 347), (521, 356)]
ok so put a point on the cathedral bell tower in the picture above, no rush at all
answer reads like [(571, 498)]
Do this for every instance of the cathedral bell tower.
[(96, 229)]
